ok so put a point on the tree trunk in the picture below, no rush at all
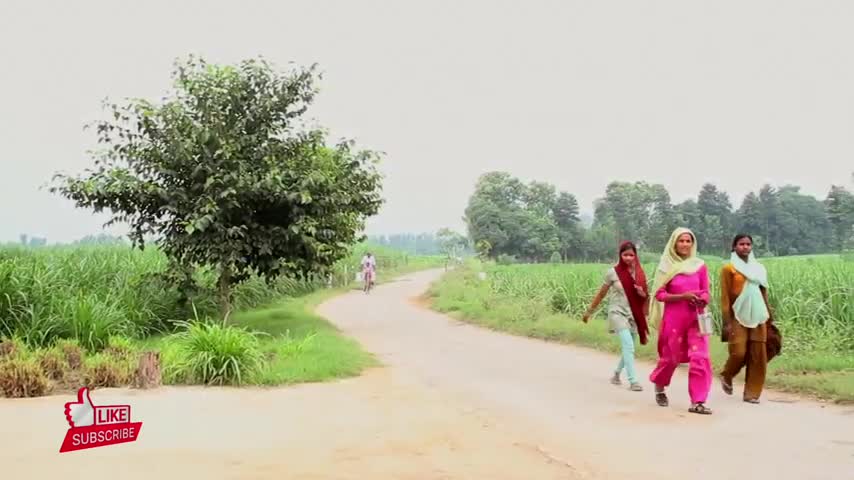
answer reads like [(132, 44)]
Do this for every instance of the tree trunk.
[(224, 292), (148, 373)]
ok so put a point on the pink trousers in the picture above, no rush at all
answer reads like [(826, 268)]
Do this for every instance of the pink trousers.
[(680, 342)]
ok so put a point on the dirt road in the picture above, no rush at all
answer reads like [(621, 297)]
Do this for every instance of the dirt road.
[(452, 402)]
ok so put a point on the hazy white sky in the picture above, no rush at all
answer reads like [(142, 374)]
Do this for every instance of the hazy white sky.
[(577, 93)]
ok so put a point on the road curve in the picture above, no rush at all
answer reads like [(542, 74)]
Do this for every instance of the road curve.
[(560, 396)]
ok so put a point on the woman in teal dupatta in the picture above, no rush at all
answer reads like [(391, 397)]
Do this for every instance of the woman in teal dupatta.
[(746, 319)]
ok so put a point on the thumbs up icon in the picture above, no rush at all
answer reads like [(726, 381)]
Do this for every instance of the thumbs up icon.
[(80, 413)]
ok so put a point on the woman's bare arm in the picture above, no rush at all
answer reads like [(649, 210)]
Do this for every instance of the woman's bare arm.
[(596, 301)]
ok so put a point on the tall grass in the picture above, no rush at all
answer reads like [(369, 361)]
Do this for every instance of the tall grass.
[(812, 297), (212, 353), (90, 293), (80, 315)]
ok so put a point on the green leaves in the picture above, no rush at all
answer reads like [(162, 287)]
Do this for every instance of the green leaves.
[(223, 175), (530, 221), (200, 224)]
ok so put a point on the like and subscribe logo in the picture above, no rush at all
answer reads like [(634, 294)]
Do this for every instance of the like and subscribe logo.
[(97, 426)]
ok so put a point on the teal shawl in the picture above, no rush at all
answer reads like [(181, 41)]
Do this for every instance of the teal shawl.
[(749, 308)]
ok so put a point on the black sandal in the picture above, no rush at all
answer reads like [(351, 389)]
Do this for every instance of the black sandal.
[(661, 399), (700, 408)]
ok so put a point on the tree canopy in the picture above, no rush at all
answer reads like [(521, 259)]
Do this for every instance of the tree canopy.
[(531, 222), (225, 172), (452, 244)]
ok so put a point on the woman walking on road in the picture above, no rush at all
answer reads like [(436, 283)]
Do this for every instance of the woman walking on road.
[(627, 303), (681, 289), (746, 318)]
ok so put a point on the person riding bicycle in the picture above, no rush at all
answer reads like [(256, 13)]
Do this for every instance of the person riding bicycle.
[(369, 268)]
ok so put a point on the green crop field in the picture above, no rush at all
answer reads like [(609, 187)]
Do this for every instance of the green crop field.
[(74, 315), (812, 299)]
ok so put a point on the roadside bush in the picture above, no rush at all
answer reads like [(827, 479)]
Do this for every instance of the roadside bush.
[(120, 347), (105, 370), (213, 354), (8, 348), (72, 351), (505, 259), (22, 376), (54, 364)]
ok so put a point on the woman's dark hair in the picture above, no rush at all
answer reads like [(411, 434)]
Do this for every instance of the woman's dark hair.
[(739, 237), (628, 246)]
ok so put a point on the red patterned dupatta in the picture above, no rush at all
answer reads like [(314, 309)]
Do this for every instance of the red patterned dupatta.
[(636, 302)]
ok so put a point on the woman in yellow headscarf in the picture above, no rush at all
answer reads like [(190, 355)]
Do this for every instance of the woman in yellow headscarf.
[(681, 289)]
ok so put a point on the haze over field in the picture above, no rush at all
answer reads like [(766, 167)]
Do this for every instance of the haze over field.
[(574, 93)]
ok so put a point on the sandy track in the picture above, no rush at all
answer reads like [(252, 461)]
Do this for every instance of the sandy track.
[(453, 401)]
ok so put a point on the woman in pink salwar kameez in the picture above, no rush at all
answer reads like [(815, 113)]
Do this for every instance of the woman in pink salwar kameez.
[(681, 292)]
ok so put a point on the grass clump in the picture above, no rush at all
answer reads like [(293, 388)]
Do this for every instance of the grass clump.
[(9, 347), (104, 370), (74, 354), (22, 376), (54, 363), (301, 346), (121, 347), (213, 354)]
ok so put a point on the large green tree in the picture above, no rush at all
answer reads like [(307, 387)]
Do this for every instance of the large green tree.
[(662, 219), (451, 243), (224, 172), (769, 202), (625, 206), (749, 219), (714, 228), (495, 213), (533, 222), (570, 231), (640, 212), (803, 226), (840, 212)]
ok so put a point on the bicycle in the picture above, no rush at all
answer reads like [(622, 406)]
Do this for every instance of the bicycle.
[(368, 277)]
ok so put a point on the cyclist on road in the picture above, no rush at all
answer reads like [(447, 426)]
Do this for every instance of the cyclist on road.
[(369, 268)]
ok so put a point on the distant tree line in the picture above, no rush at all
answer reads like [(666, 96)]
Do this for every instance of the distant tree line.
[(535, 222), (444, 242), (99, 239), (412, 243), (34, 241), (102, 239)]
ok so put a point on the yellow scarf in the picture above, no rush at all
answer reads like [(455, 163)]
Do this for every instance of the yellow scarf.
[(670, 265)]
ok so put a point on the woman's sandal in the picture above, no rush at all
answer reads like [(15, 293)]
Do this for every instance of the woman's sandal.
[(661, 399), (700, 408), (752, 400), (615, 379), (727, 386), (636, 387)]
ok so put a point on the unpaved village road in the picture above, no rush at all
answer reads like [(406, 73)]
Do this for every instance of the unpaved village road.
[(452, 402)]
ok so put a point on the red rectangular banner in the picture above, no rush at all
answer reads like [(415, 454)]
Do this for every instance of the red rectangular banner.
[(81, 438)]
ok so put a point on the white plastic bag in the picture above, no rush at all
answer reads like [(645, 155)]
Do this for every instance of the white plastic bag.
[(704, 321), (358, 276)]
